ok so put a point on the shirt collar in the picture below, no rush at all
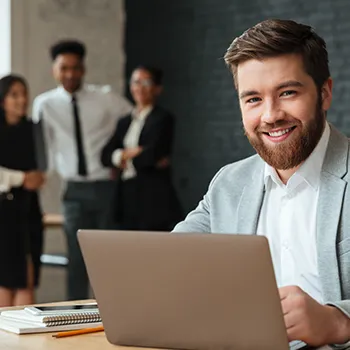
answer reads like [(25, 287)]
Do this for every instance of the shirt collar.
[(68, 95), (309, 171), (142, 114)]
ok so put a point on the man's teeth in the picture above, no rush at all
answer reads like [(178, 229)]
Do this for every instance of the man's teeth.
[(280, 132)]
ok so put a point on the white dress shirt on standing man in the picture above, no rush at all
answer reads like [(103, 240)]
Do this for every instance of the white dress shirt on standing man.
[(99, 111)]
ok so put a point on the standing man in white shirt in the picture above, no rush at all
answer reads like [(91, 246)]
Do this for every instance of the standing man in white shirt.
[(295, 190), (76, 121)]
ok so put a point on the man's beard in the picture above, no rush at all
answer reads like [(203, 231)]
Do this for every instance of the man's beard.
[(290, 154)]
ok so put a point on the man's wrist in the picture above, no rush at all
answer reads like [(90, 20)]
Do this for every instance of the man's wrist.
[(339, 330)]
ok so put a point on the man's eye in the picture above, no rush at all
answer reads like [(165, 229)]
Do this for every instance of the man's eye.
[(253, 100), (288, 93)]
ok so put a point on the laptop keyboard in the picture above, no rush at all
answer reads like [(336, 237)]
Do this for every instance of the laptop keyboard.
[(297, 344)]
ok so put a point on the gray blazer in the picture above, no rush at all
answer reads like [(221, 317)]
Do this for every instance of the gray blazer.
[(234, 199)]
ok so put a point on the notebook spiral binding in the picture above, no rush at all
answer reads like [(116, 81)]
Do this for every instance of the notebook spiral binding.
[(82, 317)]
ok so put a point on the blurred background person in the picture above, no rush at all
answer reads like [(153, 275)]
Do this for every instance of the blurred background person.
[(140, 149), (77, 119), (21, 231)]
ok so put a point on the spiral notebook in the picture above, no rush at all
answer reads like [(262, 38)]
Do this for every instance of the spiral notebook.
[(22, 322)]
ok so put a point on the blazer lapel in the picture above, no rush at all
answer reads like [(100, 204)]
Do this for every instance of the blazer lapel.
[(148, 124), (125, 126), (250, 203), (330, 202)]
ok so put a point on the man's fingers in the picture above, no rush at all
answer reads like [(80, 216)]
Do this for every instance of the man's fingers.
[(290, 320), (284, 292), (293, 333), (287, 306)]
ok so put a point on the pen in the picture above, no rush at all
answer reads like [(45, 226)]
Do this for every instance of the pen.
[(78, 332)]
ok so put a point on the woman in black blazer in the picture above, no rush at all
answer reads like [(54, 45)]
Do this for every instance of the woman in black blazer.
[(140, 150), (21, 230)]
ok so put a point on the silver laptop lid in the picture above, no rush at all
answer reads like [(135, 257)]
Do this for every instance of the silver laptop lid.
[(189, 291)]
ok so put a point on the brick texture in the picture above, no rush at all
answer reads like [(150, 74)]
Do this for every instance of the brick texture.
[(188, 38)]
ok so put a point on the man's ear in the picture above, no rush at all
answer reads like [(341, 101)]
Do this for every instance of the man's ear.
[(326, 94)]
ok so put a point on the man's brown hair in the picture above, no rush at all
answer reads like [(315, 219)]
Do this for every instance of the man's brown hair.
[(276, 37)]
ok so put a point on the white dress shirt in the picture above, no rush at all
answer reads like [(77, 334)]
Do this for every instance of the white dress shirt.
[(10, 178), (99, 112), (131, 140), (288, 220)]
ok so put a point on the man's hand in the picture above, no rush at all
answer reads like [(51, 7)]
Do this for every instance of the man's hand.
[(33, 180), (311, 322), (131, 153)]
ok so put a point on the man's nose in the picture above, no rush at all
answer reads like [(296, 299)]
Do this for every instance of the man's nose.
[(272, 113)]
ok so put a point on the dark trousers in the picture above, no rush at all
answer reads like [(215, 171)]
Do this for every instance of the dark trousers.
[(136, 214), (130, 219), (86, 205)]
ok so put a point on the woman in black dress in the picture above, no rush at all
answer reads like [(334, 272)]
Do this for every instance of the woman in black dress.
[(21, 231), (140, 151)]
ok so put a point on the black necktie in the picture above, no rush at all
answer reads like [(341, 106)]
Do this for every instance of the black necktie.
[(82, 170)]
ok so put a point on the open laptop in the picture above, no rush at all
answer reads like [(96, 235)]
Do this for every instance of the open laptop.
[(185, 291)]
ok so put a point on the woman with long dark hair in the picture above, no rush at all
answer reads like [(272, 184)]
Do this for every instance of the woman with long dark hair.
[(21, 231)]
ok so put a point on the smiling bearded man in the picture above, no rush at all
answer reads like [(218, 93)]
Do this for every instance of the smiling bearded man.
[(295, 192)]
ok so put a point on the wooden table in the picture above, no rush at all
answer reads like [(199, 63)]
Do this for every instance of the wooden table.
[(45, 341)]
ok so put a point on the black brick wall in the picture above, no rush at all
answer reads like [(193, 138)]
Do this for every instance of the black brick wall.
[(187, 38)]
